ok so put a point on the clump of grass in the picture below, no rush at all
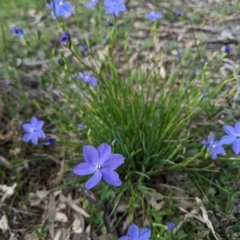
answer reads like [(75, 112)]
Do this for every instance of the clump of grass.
[(154, 120)]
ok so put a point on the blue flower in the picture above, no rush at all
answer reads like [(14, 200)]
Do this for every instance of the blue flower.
[(214, 147), (33, 131), (15, 93), (92, 4), (102, 162), (60, 9), (65, 38), (233, 137), (227, 49), (81, 126), (203, 95), (87, 78), (84, 48), (7, 84), (49, 141), (170, 225), (17, 31), (110, 24), (135, 234), (108, 77), (114, 142), (153, 16), (113, 7), (179, 13), (192, 73)]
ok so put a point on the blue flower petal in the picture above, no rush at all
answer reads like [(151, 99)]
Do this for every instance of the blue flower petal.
[(111, 177), (227, 139), (90, 154), (229, 130), (35, 139), (133, 231), (104, 151), (39, 125), (236, 147), (113, 162), (84, 169), (219, 150), (92, 81), (27, 127), (237, 127), (144, 234), (53, 15), (92, 4), (68, 7), (34, 122), (40, 134), (94, 180), (27, 137)]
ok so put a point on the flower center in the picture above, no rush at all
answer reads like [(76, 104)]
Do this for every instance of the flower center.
[(32, 130), (98, 166), (238, 135)]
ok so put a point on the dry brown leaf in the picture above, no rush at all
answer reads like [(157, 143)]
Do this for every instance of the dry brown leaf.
[(15, 152), (73, 205), (133, 59), (61, 217), (7, 191), (4, 223), (126, 223), (30, 236), (4, 138), (163, 73), (58, 234), (78, 224), (51, 214), (36, 198), (157, 206), (5, 161)]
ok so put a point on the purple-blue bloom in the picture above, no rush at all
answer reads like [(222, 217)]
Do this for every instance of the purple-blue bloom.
[(65, 38), (113, 7), (213, 146), (84, 48), (33, 131), (227, 49), (170, 225), (87, 78), (135, 234), (92, 4), (60, 9), (114, 142), (108, 77), (17, 31), (153, 16), (110, 24), (233, 137), (15, 93), (49, 141), (192, 73), (102, 162), (179, 13), (7, 84), (81, 126)]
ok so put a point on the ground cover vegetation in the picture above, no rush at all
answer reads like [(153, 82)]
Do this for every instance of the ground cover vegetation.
[(119, 120)]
